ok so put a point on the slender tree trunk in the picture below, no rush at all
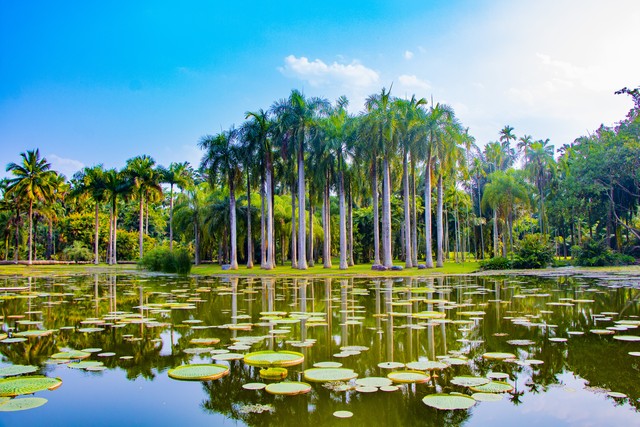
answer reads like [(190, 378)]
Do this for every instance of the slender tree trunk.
[(504, 239), (495, 232), (294, 248), (414, 219), (249, 237), (302, 229), (30, 232), (427, 215), (343, 226), (271, 244), (408, 258), (95, 237), (146, 216), (140, 226), (480, 216), (233, 261), (50, 239), (376, 214), (350, 259), (326, 225), (439, 225), (171, 217), (386, 215), (196, 232), (115, 234), (110, 244), (312, 261), (263, 229)]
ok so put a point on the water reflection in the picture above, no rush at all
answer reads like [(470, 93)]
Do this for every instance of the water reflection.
[(149, 322)]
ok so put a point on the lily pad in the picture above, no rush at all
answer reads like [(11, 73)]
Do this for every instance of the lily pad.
[(205, 341), (498, 356), (228, 356), (469, 381), (22, 404), (493, 387), (445, 401), (373, 382), (329, 374), (390, 365), (27, 385), (198, 372), (273, 373), (71, 354), (254, 386), (487, 397), (628, 338), (273, 358), (428, 365), (288, 388), (343, 414), (10, 371), (408, 377), (327, 365)]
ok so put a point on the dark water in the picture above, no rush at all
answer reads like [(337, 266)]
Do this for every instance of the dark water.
[(149, 318)]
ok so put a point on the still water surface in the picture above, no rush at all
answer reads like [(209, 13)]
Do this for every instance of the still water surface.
[(561, 376)]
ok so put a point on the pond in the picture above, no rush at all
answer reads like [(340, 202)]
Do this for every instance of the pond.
[(525, 351)]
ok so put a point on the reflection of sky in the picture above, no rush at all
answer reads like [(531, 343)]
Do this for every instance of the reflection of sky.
[(101, 403), (568, 405)]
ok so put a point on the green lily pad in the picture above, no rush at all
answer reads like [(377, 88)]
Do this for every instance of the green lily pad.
[(10, 371), (498, 356), (288, 388), (274, 358), (469, 381), (628, 338), (327, 365), (274, 373), (343, 414), (13, 340), (84, 364), (408, 377), (493, 387), (198, 372), (427, 365), (27, 385), (71, 354), (34, 333), (487, 397), (205, 341), (445, 401), (254, 386), (366, 389), (373, 382), (329, 374), (22, 404), (390, 365), (228, 356)]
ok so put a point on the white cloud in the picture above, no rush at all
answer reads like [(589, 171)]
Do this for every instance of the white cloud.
[(412, 82), (408, 55), (318, 73), (67, 167)]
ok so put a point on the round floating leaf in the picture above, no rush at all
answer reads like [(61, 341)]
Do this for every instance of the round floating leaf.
[(521, 342), (407, 377), (13, 340), (10, 371), (273, 358), (327, 365), (84, 364), (487, 397), (288, 388), (617, 394), (634, 353), (205, 341), (557, 339), (273, 373), (373, 382), (498, 356), (448, 401), (428, 365), (27, 385), (198, 372), (71, 354), (628, 338), (329, 374), (366, 389), (390, 365), (106, 354), (22, 404), (34, 333), (493, 387), (469, 381), (497, 375), (254, 386), (228, 356), (602, 331), (343, 414), (390, 388), (91, 350)]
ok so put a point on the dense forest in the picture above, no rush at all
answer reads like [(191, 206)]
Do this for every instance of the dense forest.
[(305, 181)]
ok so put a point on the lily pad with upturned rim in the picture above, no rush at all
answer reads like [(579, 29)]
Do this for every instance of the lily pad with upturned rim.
[(71, 354), (493, 387), (198, 372), (408, 377), (469, 381), (27, 385), (288, 388), (10, 371), (444, 401), (274, 358), (329, 374), (487, 397), (498, 356), (274, 373)]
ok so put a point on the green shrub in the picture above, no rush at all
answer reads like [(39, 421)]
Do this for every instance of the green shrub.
[(596, 254), (167, 261), (496, 263), (534, 251), (78, 252)]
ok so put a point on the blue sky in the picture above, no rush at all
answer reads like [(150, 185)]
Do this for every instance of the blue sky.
[(100, 82)]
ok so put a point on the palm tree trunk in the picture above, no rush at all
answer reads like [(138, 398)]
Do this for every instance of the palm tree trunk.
[(408, 258), (294, 248), (350, 260), (146, 217), (95, 237), (114, 252), (50, 239), (386, 215), (376, 213), (439, 225), (140, 226), (271, 245), (233, 261), (480, 216), (312, 262), (427, 214), (30, 231), (263, 229), (110, 240), (249, 238), (196, 233), (326, 225), (302, 229), (495, 232), (343, 226), (414, 219)]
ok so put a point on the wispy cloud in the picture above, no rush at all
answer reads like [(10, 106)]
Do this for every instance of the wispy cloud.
[(319, 73), (412, 82), (65, 166), (408, 55)]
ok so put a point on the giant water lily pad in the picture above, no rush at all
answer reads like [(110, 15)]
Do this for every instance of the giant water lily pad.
[(469, 381), (288, 388), (273, 373), (9, 371), (493, 387), (329, 374), (71, 354), (22, 404), (26, 385), (205, 341), (498, 356), (628, 338), (273, 358), (487, 397), (445, 401), (373, 382), (408, 377), (198, 372)]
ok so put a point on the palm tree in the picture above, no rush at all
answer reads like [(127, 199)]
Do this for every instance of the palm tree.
[(299, 114), (116, 185), (190, 207), (180, 175), (540, 166), (145, 180), (91, 182), (31, 182), (222, 161)]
